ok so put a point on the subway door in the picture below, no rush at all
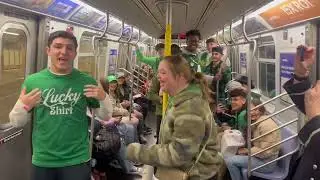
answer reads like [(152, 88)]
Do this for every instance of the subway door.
[(18, 35)]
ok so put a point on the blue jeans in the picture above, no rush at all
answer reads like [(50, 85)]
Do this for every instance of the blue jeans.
[(236, 163)]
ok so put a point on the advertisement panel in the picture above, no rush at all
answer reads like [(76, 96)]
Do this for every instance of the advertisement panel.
[(291, 11)]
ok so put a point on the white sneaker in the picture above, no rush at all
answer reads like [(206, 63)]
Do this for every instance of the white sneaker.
[(154, 178), (135, 171)]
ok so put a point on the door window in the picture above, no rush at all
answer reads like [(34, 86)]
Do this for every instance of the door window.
[(13, 67)]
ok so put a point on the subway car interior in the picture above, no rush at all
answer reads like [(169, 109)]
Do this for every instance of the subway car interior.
[(259, 38)]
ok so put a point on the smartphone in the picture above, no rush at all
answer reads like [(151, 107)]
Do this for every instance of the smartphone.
[(301, 51)]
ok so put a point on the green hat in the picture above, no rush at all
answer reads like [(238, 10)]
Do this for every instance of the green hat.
[(111, 78)]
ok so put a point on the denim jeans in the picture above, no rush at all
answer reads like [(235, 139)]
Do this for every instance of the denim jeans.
[(236, 163)]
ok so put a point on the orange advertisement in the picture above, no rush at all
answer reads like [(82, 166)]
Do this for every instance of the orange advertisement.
[(291, 11)]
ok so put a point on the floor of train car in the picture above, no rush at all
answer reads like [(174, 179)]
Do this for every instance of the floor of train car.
[(114, 174)]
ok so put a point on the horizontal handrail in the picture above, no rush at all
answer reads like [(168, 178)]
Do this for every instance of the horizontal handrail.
[(273, 114), (137, 71), (141, 69), (281, 157), (269, 132), (268, 101), (283, 141), (136, 77)]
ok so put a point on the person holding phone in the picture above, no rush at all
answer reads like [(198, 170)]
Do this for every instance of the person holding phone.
[(306, 162)]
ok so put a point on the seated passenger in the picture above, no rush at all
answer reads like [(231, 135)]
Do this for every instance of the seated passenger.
[(123, 87), (235, 163), (238, 110), (244, 81), (184, 130), (118, 109)]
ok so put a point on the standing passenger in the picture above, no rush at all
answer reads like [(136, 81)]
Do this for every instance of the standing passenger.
[(192, 53), (153, 94), (220, 71), (152, 61), (212, 43), (306, 161), (58, 98), (186, 126)]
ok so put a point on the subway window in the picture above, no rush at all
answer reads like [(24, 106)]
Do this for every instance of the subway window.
[(267, 52), (86, 62), (267, 80)]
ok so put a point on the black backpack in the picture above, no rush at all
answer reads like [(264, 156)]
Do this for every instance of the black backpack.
[(106, 139)]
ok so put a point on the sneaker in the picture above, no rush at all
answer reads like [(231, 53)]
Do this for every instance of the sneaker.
[(154, 178), (135, 171)]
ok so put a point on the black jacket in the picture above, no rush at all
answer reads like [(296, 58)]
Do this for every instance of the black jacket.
[(306, 162)]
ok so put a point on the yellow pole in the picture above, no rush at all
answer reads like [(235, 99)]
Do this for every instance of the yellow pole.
[(167, 49)]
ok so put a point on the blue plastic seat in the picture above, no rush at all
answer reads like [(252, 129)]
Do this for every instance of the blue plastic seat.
[(283, 164)]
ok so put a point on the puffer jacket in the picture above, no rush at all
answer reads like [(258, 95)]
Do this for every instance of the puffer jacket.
[(182, 135), (266, 141)]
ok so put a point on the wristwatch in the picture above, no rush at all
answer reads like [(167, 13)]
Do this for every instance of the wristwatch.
[(298, 78)]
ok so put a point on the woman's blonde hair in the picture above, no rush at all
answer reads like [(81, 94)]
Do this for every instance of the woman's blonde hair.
[(178, 65)]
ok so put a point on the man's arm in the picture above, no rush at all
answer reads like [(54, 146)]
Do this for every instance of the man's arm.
[(147, 60), (105, 110), (19, 116)]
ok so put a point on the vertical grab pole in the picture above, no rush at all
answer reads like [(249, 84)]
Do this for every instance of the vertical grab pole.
[(167, 48), (218, 38), (96, 55), (249, 61)]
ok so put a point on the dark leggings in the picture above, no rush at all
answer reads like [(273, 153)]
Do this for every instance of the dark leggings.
[(76, 172)]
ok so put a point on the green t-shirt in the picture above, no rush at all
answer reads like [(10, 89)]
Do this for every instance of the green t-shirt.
[(60, 126)]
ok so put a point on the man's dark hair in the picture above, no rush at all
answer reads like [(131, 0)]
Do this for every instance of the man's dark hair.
[(193, 32), (62, 34), (238, 92), (159, 46), (211, 40)]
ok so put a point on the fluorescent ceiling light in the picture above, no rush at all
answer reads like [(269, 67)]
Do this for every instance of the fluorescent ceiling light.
[(11, 33), (87, 6)]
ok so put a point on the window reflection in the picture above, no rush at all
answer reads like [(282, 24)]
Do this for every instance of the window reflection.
[(13, 67), (267, 79)]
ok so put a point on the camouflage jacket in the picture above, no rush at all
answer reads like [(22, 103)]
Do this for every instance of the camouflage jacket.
[(182, 135)]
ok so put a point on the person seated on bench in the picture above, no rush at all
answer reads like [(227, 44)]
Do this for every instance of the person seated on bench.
[(235, 163)]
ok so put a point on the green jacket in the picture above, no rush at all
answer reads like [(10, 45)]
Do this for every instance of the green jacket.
[(197, 61), (153, 94), (182, 135), (240, 122), (151, 61), (226, 77)]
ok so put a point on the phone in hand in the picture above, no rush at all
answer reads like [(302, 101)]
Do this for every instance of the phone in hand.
[(301, 50)]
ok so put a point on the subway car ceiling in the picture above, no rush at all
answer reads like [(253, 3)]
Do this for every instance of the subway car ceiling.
[(144, 20)]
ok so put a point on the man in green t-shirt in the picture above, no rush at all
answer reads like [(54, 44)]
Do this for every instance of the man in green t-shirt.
[(58, 99)]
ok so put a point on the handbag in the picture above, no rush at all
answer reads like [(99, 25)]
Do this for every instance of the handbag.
[(230, 142), (105, 140), (165, 173)]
